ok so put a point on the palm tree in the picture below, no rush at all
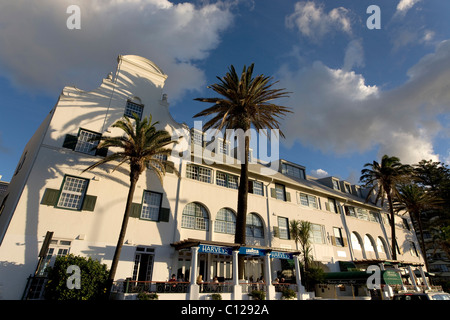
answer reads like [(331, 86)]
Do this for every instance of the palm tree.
[(383, 178), (245, 102), (142, 147), (300, 232), (415, 200)]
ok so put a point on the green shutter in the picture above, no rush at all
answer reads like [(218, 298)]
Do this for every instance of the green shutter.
[(273, 193), (288, 196), (89, 203), (50, 197), (327, 206), (276, 232), (164, 214), (136, 209), (70, 141)]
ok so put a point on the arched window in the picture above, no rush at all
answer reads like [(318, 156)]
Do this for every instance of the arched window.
[(368, 244), (195, 216), (380, 245), (225, 221), (356, 243), (255, 226)]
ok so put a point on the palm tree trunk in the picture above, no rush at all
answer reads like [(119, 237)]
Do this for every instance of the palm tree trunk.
[(133, 181), (241, 219), (394, 241), (422, 240)]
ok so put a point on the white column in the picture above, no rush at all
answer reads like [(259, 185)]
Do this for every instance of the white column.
[(193, 287), (413, 278), (298, 277), (398, 270), (268, 278), (425, 282), (237, 290)]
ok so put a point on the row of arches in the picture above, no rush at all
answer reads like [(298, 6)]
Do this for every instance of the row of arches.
[(367, 247), (196, 216)]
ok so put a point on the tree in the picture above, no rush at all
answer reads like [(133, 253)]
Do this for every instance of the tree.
[(92, 279), (383, 178), (142, 147), (415, 200), (300, 232), (245, 102)]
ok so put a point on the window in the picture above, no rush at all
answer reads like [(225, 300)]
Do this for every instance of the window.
[(356, 242), (72, 193), (380, 245), (225, 221), (226, 180), (254, 226), (195, 216), (347, 188), (316, 234), (331, 205), (350, 211), (336, 185), (413, 249), (292, 171), (280, 191), (363, 214), (86, 143), (256, 187), (283, 227), (368, 244), (151, 203), (223, 147), (308, 201), (197, 137), (338, 237), (198, 173), (132, 107)]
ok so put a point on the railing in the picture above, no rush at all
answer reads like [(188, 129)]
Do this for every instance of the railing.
[(280, 287), (252, 286), (410, 287), (129, 286), (216, 287)]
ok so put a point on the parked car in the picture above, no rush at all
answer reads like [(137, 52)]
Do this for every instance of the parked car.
[(420, 296)]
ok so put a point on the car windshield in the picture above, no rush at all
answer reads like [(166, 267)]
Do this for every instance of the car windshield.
[(441, 296)]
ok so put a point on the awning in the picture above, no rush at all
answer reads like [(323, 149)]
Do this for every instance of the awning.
[(389, 277)]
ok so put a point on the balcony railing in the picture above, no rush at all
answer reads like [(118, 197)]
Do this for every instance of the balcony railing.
[(128, 286)]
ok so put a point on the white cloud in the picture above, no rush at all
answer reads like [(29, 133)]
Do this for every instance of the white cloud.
[(319, 173), (354, 55), (40, 52), (313, 22), (404, 5), (336, 112)]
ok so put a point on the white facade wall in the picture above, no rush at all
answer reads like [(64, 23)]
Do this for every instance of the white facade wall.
[(25, 221)]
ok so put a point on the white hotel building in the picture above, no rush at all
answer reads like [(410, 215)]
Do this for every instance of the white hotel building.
[(185, 226)]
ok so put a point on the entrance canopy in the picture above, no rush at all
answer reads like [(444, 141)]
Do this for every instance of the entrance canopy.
[(227, 248)]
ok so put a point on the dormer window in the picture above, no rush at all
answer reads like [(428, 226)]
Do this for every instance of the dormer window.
[(336, 185), (292, 171)]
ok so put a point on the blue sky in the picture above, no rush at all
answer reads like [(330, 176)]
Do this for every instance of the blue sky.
[(357, 93)]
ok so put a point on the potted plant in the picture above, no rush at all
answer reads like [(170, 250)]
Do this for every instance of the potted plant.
[(147, 296)]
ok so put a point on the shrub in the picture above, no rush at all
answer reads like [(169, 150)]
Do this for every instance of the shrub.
[(216, 296), (258, 295), (147, 296), (288, 294), (93, 277)]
